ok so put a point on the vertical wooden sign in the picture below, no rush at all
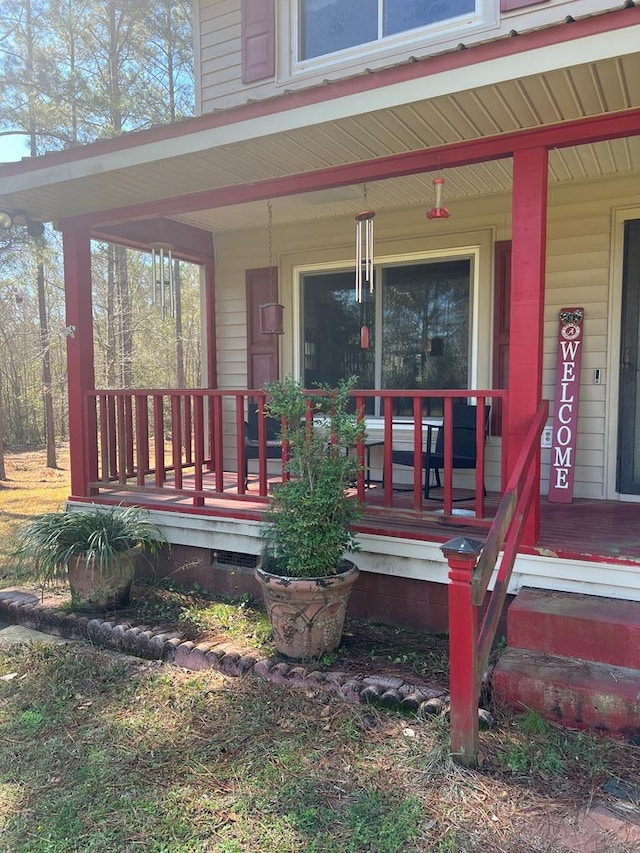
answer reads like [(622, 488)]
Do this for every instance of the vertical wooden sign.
[(565, 415)]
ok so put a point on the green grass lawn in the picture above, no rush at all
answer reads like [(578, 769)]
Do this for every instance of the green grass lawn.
[(30, 488), (101, 753)]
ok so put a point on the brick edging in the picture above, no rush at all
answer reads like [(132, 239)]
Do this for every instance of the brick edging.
[(156, 643)]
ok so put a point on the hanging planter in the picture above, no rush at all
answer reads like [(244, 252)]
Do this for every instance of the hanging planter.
[(271, 318), (271, 314)]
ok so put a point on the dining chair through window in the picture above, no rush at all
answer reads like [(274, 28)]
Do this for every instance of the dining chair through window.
[(273, 447)]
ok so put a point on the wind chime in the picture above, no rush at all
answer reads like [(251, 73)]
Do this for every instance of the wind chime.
[(271, 313), (438, 212), (162, 281), (364, 263)]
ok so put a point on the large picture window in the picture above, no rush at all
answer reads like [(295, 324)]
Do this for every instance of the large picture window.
[(418, 319), (330, 26)]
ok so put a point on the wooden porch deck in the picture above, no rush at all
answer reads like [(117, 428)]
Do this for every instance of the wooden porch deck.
[(593, 530)]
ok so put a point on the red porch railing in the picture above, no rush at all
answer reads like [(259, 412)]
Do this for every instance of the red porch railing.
[(469, 648), (191, 443)]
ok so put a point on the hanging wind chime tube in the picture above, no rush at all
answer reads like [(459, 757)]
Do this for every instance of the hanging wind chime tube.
[(163, 285), (438, 212), (271, 314), (364, 251), (364, 264)]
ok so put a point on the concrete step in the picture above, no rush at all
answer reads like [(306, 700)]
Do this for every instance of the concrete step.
[(575, 693), (606, 630)]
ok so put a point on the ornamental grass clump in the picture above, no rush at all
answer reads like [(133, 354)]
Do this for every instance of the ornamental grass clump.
[(309, 524), (49, 543)]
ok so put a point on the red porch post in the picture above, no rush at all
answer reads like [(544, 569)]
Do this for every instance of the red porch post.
[(80, 365), (211, 351), (529, 238), (462, 556), (210, 322)]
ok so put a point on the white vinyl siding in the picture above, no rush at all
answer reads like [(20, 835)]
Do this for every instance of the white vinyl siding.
[(578, 274), (219, 49)]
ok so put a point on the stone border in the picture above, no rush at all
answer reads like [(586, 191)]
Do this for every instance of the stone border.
[(156, 643)]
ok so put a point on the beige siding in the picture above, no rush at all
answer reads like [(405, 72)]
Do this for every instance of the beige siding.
[(578, 273), (219, 48)]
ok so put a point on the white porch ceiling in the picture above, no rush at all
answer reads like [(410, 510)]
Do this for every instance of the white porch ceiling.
[(591, 89)]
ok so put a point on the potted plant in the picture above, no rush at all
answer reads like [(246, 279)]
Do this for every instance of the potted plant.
[(95, 548), (304, 577)]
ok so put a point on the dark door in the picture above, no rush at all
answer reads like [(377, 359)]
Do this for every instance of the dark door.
[(628, 479)]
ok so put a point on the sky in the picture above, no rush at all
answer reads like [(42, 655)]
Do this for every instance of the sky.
[(13, 148)]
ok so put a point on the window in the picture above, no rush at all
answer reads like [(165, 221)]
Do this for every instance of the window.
[(419, 328), (332, 320), (330, 26)]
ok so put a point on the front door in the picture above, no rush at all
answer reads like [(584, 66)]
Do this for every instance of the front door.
[(628, 475)]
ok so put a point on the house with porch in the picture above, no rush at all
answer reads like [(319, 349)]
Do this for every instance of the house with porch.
[(481, 160)]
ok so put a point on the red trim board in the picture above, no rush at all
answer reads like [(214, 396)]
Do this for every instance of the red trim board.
[(464, 57)]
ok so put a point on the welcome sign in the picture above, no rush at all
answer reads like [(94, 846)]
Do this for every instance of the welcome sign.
[(565, 416)]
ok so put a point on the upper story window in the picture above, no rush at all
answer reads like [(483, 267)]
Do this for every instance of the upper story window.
[(328, 27)]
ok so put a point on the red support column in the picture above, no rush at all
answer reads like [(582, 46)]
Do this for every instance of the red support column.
[(211, 356), (210, 323), (80, 365), (529, 243), (462, 555)]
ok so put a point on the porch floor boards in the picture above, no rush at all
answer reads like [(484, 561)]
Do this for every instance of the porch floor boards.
[(594, 530)]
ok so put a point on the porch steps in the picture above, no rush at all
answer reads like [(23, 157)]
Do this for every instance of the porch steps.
[(575, 659)]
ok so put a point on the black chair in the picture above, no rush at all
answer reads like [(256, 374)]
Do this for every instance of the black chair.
[(464, 446), (273, 447), (406, 457)]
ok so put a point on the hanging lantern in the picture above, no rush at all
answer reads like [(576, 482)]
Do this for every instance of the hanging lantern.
[(162, 283), (364, 251), (438, 212), (271, 314), (271, 318)]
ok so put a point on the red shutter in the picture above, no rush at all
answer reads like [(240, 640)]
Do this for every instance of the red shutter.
[(501, 309), (258, 40), (262, 350)]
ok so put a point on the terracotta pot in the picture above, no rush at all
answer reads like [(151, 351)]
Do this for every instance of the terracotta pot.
[(102, 589), (307, 614)]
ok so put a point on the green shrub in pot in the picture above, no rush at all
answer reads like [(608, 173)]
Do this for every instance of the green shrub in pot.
[(309, 526)]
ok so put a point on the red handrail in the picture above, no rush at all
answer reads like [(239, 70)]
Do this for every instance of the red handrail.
[(469, 580)]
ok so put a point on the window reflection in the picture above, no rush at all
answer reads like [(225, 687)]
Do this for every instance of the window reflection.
[(425, 328), (423, 335), (331, 331)]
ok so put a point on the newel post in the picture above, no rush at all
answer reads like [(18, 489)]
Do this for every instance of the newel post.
[(462, 556)]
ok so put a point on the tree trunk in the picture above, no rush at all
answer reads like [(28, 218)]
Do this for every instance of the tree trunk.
[(3, 473), (124, 314), (111, 349), (49, 425), (177, 282)]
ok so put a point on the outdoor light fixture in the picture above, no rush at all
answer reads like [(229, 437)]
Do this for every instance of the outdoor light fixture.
[(34, 229), (20, 217), (438, 212)]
